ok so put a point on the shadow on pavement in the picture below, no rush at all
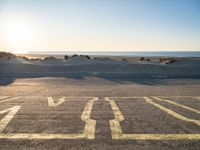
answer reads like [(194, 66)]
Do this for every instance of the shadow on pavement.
[(119, 78), (140, 74)]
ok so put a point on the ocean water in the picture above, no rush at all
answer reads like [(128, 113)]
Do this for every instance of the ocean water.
[(121, 53)]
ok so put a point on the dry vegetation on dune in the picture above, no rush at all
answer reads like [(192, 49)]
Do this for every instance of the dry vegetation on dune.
[(7, 55), (145, 59), (161, 60), (167, 60)]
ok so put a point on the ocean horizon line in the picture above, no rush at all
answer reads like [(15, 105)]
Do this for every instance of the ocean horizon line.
[(121, 53)]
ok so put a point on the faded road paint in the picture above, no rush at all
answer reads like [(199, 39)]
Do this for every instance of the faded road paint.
[(88, 132), (3, 97), (160, 137), (197, 98), (9, 99), (177, 104), (117, 132), (11, 113), (40, 136), (172, 113), (51, 102)]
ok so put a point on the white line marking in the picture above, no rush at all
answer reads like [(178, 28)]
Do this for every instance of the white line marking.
[(88, 132), (126, 97), (9, 99), (3, 97), (115, 127), (42, 136), (64, 96), (177, 104), (11, 113), (160, 137), (173, 96), (111, 97), (51, 102), (118, 134), (33, 136), (172, 113), (198, 98)]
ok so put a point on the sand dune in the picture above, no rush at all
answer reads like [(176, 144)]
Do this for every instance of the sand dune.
[(181, 68)]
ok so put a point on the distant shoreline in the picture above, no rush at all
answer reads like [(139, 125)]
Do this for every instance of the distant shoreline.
[(119, 53)]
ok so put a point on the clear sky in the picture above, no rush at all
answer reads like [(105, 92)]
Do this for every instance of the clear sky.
[(47, 25)]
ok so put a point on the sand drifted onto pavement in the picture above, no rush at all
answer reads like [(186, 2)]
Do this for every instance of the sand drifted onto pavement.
[(181, 68)]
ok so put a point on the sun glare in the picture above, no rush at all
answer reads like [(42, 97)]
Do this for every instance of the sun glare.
[(18, 35)]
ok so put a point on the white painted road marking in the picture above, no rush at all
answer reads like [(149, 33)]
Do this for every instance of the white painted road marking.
[(115, 127), (172, 113), (125, 97), (177, 104), (141, 97), (53, 104), (90, 124), (11, 113), (197, 98), (117, 132), (159, 137), (88, 132), (9, 99), (40, 136), (3, 97)]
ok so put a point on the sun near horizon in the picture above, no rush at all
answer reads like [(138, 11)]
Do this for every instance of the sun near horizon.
[(99, 25)]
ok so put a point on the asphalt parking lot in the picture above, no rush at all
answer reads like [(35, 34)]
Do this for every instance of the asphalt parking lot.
[(52, 113)]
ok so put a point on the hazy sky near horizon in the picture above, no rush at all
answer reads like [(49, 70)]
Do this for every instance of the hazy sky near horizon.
[(48, 25)]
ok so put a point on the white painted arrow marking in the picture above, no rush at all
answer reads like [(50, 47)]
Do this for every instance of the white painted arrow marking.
[(53, 104), (88, 132), (11, 113)]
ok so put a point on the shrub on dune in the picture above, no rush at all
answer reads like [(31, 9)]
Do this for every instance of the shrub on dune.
[(75, 55), (167, 60), (7, 55), (148, 59), (145, 59), (23, 57), (50, 58), (35, 59), (142, 58), (124, 59), (66, 57), (88, 57)]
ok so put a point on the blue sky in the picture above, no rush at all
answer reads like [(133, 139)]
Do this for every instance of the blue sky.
[(100, 25)]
